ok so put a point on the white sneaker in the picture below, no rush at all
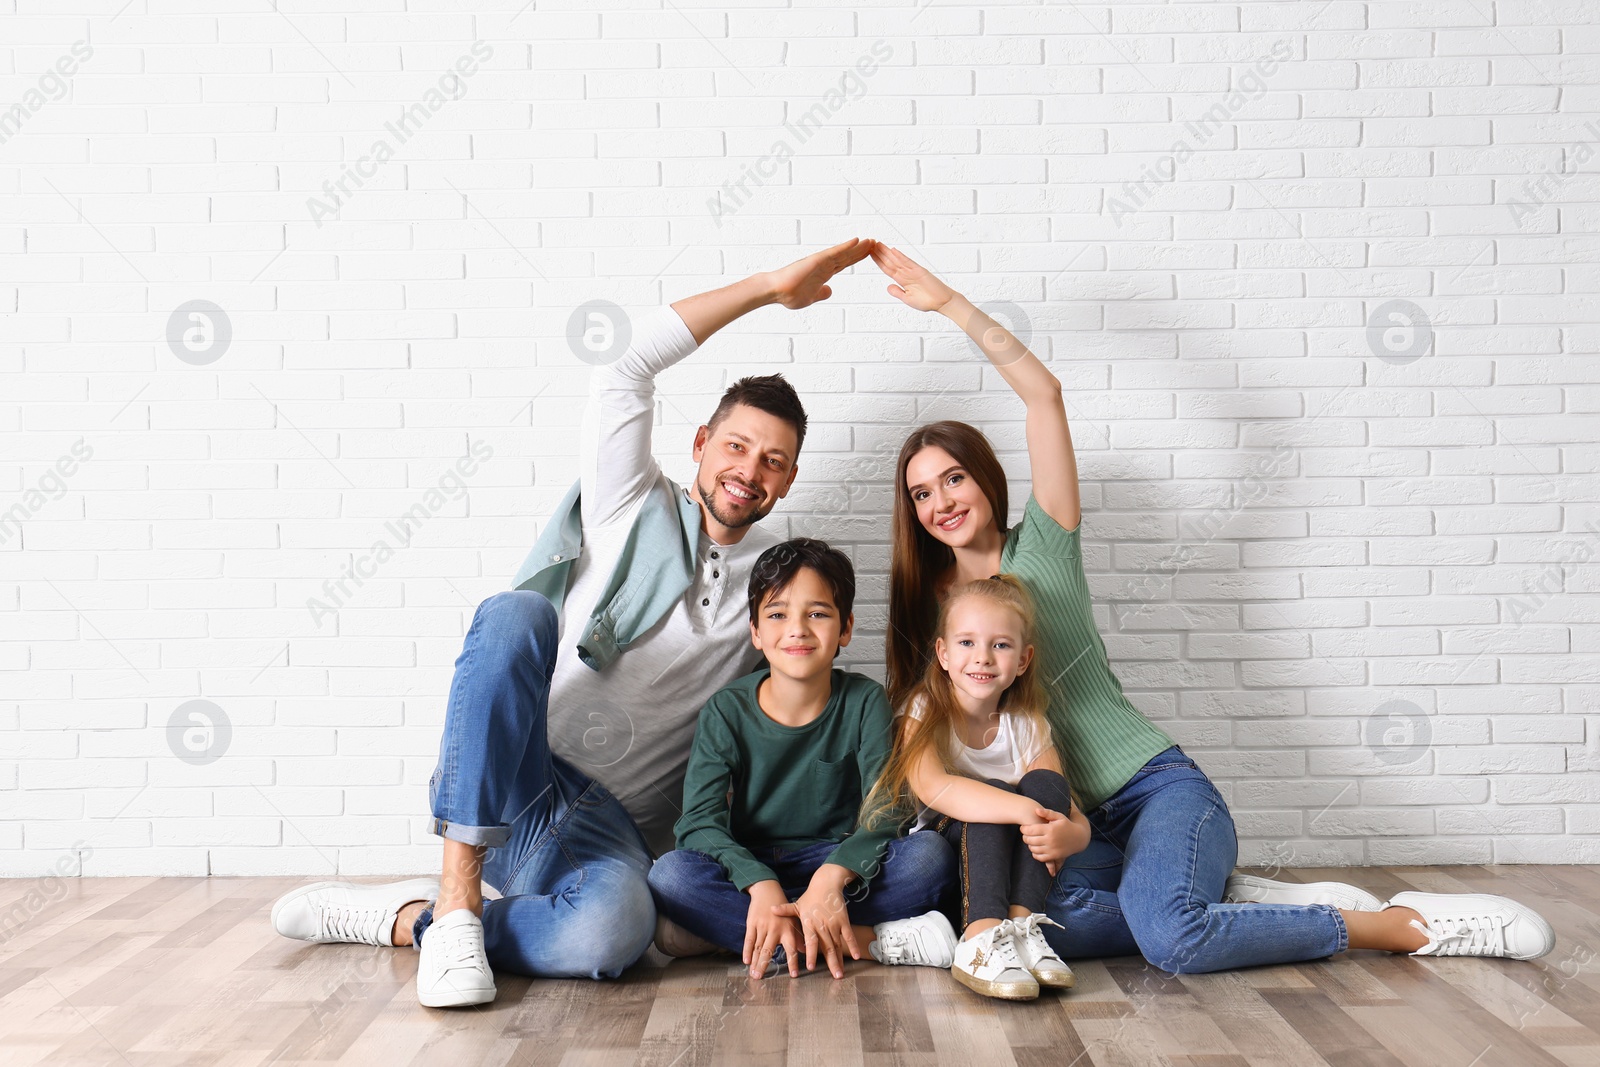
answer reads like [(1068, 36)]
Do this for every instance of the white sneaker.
[(988, 964), (1477, 924), (1248, 889), (1036, 955), (346, 912), (453, 971), (920, 941)]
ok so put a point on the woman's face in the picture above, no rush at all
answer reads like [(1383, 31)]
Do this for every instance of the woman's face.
[(946, 498)]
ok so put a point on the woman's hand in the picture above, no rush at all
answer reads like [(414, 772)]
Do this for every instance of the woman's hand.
[(914, 285), (805, 281), (764, 931)]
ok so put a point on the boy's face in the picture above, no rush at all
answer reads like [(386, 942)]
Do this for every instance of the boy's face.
[(798, 627)]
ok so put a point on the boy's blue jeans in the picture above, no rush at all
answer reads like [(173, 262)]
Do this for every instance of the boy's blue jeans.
[(568, 860), (695, 892), (1150, 881)]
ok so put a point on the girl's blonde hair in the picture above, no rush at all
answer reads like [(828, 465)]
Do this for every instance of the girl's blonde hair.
[(890, 796)]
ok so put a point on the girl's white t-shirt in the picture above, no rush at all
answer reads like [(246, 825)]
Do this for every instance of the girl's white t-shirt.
[(1016, 744)]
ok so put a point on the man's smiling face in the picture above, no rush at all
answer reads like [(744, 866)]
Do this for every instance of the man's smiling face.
[(747, 464)]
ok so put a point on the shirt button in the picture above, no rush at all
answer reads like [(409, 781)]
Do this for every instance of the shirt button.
[(704, 601), (714, 555), (716, 574)]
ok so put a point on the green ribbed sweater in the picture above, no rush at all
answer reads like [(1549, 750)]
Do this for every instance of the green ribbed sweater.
[(1103, 739)]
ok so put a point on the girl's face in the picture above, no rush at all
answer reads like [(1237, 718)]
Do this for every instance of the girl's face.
[(946, 498), (982, 648)]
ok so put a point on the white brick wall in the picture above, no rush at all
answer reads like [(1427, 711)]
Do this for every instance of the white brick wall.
[(1361, 589)]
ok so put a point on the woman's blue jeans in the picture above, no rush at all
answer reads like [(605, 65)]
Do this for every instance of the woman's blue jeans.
[(568, 860), (1150, 882), (694, 891)]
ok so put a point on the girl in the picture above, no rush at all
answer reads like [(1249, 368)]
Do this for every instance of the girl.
[(974, 752), (1155, 876)]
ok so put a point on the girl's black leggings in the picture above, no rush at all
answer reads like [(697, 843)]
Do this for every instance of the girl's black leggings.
[(997, 870)]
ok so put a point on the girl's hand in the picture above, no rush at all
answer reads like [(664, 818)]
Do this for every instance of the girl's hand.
[(1055, 837), (915, 286), (764, 931)]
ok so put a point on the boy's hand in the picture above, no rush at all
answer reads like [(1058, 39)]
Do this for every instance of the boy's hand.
[(915, 286), (805, 281), (765, 930), (825, 918), (1055, 837)]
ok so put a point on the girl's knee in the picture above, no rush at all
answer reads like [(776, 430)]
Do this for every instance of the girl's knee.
[(1047, 787)]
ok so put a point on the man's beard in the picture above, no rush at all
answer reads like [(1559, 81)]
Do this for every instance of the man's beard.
[(708, 497)]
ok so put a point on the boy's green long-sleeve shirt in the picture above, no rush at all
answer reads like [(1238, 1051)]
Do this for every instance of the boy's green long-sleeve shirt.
[(754, 783)]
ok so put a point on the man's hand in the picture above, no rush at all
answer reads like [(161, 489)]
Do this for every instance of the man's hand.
[(915, 286), (1055, 837), (765, 930), (801, 283), (825, 918), (805, 281)]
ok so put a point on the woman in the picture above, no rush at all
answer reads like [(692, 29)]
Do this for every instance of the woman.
[(1153, 878)]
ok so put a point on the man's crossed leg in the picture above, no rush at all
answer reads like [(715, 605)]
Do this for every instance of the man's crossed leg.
[(567, 859)]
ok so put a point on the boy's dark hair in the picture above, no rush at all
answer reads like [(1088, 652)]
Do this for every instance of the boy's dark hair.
[(771, 393), (779, 564)]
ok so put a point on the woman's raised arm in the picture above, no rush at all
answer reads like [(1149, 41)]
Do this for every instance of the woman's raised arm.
[(1053, 463)]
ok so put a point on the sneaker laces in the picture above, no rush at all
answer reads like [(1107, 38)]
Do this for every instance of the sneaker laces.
[(894, 947), (1466, 935), (459, 947), (898, 944), (1031, 929), (1003, 953), (350, 922)]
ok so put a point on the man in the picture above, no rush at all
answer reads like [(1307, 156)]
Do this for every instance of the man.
[(573, 705)]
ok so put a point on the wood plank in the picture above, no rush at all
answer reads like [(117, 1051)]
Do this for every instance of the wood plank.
[(129, 972), (1336, 1036), (1413, 979), (1254, 1027)]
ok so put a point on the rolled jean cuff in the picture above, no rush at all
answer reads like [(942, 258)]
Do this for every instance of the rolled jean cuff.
[(488, 836), (421, 924), (1343, 941)]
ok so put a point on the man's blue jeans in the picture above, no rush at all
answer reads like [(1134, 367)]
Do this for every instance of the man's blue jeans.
[(569, 862), (1150, 881), (695, 892)]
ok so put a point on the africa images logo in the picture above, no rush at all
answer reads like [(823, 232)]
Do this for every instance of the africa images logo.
[(451, 486)]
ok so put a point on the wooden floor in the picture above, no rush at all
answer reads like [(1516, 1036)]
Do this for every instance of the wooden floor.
[(175, 972)]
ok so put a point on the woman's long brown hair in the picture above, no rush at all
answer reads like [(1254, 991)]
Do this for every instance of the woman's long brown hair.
[(890, 796), (917, 558)]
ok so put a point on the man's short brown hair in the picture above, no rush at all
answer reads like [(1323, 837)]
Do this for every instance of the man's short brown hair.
[(771, 393)]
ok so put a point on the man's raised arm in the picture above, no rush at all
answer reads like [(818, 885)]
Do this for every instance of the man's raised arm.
[(798, 285), (616, 460)]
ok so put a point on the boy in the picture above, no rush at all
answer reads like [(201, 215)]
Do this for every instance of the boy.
[(769, 857)]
